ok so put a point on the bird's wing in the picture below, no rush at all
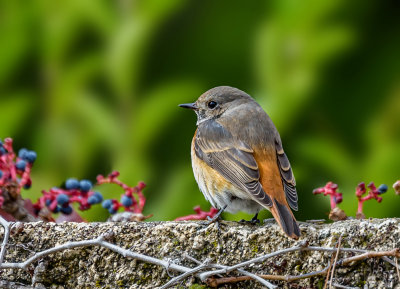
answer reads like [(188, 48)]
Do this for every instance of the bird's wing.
[(289, 183), (232, 158)]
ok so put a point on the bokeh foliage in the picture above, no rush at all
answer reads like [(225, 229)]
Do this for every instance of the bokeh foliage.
[(93, 86)]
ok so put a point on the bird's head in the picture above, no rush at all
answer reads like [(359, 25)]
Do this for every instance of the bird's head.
[(216, 101)]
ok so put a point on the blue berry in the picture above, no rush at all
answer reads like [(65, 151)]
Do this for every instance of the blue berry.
[(2, 151), (72, 184), (107, 204), (22, 153), (99, 196), (1, 174), (92, 200), (20, 165), (85, 185), (95, 199), (126, 201), (30, 156), (112, 211), (66, 210), (1, 142), (382, 189), (27, 186), (62, 199), (48, 202), (56, 210)]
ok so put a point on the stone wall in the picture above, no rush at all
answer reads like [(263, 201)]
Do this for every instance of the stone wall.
[(98, 267)]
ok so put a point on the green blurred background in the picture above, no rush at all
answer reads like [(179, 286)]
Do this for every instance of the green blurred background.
[(93, 86)]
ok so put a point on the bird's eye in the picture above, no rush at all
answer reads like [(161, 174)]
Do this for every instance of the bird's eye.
[(212, 104)]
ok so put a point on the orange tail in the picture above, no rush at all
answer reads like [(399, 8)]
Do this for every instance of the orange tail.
[(284, 216)]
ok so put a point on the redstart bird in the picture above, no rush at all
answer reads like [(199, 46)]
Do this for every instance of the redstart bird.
[(238, 160)]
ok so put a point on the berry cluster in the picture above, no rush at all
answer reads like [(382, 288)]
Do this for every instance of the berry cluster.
[(127, 201), (15, 170), (15, 173), (200, 214), (331, 190), (372, 194), (60, 200), (336, 198)]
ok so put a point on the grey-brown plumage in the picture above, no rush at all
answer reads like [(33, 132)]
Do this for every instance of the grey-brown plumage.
[(238, 159)]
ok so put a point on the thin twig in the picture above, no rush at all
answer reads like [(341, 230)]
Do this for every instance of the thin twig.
[(259, 279), (343, 286), (126, 253), (248, 274), (371, 254), (387, 259), (329, 271), (186, 274), (190, 258), (260, 259), (14, 285), (397, 268), (215, 282), (300, 247), (95, 242), (334, 263), (6, 225)]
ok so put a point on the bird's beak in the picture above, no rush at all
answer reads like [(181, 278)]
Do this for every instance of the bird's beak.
[(189, 105)]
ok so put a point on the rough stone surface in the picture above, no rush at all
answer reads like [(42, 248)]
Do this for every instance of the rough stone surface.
[(96, 267)]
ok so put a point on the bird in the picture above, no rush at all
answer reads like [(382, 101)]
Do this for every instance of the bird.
[(238, 160)]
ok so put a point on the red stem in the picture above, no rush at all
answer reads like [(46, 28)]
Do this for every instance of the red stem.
[(333, 202)]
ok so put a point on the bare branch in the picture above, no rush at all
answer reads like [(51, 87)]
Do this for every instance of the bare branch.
[(205, 275), (248, 274), (387, 259), (215, 282), (6, 225), (14, 285), (259, 279), (186, 274), (371, 254), (334, 263), (95, 242), (397, 268), (344, 287), (300, 247)]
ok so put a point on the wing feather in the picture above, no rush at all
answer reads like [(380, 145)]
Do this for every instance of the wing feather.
[(288, 180), (232, 158)]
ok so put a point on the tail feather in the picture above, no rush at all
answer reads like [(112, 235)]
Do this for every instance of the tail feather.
[(285, 219)]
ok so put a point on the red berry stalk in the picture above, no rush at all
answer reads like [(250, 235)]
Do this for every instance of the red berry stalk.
[(331, 190), (15, 169), (200, 214), (372, 194), (128, 201), (15, 174)]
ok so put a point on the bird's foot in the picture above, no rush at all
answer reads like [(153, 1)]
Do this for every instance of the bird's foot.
[(250, 222), (253, 221), (216, 218)]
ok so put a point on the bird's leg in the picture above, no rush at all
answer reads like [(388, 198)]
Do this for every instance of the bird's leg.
[(216, 217), (253, 221)]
